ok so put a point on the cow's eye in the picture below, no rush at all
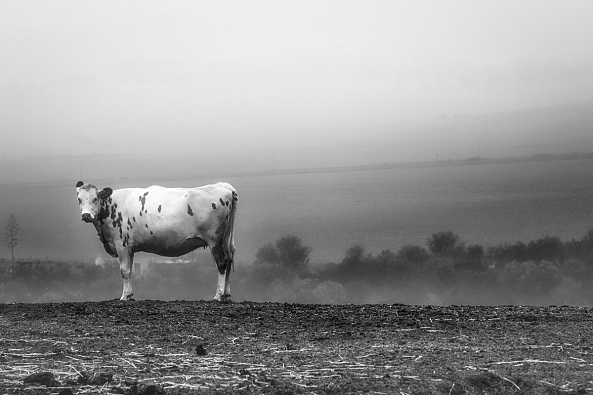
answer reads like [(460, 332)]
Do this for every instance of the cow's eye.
[(95, 200)]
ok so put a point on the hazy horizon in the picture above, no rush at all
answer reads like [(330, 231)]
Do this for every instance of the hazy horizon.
[(276, 84), (556, 130)]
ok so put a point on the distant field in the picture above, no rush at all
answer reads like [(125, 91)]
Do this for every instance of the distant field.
[(330, 211), (386, 209)]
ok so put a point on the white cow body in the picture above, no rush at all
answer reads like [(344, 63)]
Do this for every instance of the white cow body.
[(163, 221)]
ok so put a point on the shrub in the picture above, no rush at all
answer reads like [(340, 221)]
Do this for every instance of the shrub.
[(412, 254), (353, 265), (574, 268), (530, 282), (442, 243), (329, 292), (475, 253), (548, 248)]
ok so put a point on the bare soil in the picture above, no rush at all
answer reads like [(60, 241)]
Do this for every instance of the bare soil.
[(152, 347)]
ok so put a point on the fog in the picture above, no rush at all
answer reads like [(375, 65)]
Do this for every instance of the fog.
[(186, 93), (221, 86)]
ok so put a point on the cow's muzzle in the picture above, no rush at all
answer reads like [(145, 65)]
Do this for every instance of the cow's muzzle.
[(87, 217)]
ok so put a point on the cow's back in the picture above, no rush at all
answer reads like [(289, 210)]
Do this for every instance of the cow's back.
[(171, 221)]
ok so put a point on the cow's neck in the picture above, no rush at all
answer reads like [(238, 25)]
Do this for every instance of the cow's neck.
[(101, 222), (99, 228)]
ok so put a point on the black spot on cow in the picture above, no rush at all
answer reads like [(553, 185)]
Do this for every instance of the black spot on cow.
[(151, 233), (134, 219), (214, 206), (143, 201), (159, 209), (103, 213), (227, 203), (221, 201), (129, 223), (189, 210), (146, 226), (117, 222), (141, 213)]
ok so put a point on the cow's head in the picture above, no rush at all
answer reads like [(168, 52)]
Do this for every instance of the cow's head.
[(89, 200)]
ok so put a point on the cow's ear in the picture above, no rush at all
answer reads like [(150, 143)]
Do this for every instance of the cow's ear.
[(105, 193), (79, 184)]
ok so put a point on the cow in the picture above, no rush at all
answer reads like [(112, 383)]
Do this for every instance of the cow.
[(164, 221)]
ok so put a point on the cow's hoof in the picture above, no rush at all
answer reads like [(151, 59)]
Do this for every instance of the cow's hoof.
[(127, 298), (223, 298)]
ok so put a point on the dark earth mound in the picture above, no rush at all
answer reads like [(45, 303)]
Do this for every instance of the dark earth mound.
[(150, 347)]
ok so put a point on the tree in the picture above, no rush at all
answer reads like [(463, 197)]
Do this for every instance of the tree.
[(12, 230), (292, 252), (288, 251), (475, 252), (442, 243), (549, 248), (588, 241), (412, 254), (353, 257), (267, 253)]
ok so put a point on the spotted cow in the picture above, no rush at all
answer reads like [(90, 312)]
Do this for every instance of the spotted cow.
[(163, 221)]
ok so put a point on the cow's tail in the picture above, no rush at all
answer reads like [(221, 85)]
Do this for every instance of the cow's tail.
[(229, 234)]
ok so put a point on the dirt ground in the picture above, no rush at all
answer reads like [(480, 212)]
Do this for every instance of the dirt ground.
[(152, 347)]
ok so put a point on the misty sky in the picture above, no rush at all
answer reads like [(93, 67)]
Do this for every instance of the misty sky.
[(145, 77)]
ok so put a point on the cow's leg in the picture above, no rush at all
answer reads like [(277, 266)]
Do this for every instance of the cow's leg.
[(224, 263), (230, 265), (126, 260)]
